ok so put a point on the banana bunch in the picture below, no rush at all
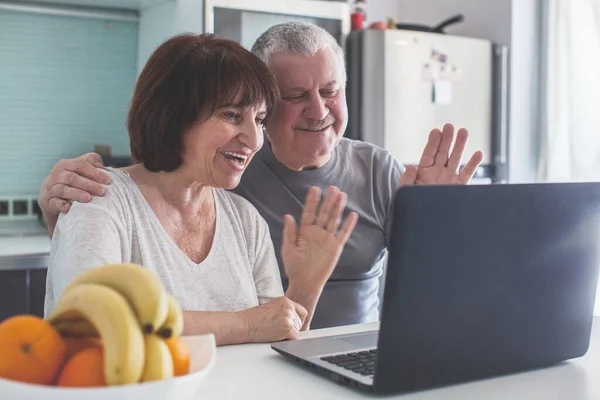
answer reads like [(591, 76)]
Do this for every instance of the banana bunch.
[(127, 306)]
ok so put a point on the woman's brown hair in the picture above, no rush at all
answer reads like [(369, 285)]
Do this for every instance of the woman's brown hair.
[(187, 79)]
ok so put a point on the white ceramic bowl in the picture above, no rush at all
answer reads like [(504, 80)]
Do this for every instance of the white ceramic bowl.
[(203, 355)]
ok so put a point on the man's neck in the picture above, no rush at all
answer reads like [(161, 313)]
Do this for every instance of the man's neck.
[(295, 163)]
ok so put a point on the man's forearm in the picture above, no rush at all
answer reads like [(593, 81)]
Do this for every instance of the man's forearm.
[(228, 327), (50, 223), (307, 299), (50, 230)]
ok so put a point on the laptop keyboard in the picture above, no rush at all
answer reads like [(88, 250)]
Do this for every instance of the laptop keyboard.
[(362, 362)]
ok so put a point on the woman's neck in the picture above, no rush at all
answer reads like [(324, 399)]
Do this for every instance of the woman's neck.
[(174, 189)]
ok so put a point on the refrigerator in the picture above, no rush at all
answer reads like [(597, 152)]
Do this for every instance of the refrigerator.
[(402, 84)]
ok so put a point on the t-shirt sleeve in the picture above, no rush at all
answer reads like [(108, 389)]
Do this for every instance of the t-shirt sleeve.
[(89, 235), (267, 278), (393, 184)]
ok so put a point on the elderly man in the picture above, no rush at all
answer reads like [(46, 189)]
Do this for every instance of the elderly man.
[(305, 147)]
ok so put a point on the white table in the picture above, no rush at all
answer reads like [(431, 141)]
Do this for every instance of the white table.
[(254, 371)]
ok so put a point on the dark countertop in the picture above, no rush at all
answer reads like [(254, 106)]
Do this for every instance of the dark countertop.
[(24, 262)]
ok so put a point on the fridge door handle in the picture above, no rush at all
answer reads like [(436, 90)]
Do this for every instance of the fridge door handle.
[(500, 112)]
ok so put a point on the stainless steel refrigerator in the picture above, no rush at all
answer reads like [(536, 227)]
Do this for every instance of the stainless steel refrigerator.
[(403, 83)]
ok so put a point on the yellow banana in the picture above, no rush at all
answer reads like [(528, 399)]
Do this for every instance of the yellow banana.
[(140, 286), (111, 315), (158, 360), (173, 325)]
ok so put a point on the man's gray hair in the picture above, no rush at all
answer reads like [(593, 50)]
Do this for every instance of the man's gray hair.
[(296, 38)]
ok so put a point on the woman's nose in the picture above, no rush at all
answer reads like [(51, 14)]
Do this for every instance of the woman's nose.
[(252, 135)]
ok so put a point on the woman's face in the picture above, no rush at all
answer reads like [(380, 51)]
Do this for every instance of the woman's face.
[(217, 151)]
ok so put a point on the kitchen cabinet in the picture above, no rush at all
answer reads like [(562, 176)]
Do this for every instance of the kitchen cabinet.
[(37, 291), (22, 285), (13, 293)]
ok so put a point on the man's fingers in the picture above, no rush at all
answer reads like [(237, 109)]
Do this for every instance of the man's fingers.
[(431, 149), (327, 206), (76, 181), (289, 231), (462, 137), (95, 159), (441, 157), (57, 206), (409, 176), (470, 167), (347, 228), (64, 192), (310, 206), (66, 206), (82, 167)]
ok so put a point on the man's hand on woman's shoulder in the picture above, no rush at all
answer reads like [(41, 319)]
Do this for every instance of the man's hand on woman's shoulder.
[(75, 179)]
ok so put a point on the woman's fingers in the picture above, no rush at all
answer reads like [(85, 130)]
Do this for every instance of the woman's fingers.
[(336, 214), (301, 312), (327, 207), (289, 231), (347, 228), (328, 216), (311, 202)]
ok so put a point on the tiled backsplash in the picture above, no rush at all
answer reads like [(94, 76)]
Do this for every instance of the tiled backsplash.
[(18, 207), (65, 85)]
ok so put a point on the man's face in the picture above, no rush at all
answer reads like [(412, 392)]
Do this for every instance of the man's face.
[(312, 115)]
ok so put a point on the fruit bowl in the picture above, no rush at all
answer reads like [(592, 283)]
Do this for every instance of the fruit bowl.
[(203, 354)]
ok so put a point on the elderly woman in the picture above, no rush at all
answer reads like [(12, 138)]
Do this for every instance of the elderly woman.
[(195, 122)]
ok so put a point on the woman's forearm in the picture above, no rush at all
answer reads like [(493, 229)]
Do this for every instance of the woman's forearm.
[(307, 297), (228, 327)]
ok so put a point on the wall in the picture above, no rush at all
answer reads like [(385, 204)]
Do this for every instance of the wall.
[(483, 19), (158, 23), (515, 23), (65, 84)]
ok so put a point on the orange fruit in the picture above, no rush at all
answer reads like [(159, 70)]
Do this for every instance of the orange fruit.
[(31, 350), (84, 369), (76, 344), (180, 354)]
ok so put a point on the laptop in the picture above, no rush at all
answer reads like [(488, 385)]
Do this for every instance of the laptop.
[(482, 281)]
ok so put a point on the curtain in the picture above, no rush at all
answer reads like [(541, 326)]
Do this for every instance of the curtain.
[(571, 94), (571, 146)]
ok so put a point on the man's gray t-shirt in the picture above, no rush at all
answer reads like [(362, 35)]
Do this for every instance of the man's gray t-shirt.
[(239, 272), (370, 176)]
